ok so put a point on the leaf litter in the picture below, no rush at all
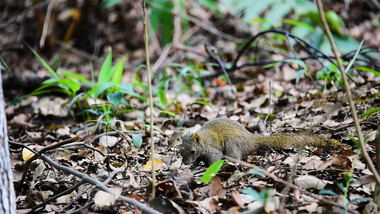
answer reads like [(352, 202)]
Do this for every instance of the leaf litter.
[(42, 121)]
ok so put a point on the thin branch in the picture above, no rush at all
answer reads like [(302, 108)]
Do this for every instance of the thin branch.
[(348, 91), (46, 23), (177, 22), (150, 98), (68, 191), (97, 183), (47, 148), (213, 53), (85, 190)]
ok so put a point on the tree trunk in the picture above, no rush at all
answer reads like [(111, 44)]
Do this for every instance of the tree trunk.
[(7, 194), (376, 196)]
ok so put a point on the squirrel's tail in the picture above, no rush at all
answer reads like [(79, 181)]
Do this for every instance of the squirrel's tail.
[(286, 141)]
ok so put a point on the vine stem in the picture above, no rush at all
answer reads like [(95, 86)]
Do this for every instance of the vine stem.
[(348, 91), (150, 98)]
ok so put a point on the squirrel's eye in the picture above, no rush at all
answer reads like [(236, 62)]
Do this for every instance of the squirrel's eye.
[(193, 151)]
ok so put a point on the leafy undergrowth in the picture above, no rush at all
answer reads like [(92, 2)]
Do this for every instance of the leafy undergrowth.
[(103, 133), (107, 147)]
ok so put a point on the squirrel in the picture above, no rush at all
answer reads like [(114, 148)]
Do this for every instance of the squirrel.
[(222, 136)]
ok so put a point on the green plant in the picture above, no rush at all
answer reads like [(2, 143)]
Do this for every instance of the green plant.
[(370, 112), (274, 10), (109, 3), (64, 82), (263, 196), (67, 151), (331, 72), (109, 85), (212, 170), (137, 140)]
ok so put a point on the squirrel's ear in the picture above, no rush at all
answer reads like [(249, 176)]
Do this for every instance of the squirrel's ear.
[(197, 138)]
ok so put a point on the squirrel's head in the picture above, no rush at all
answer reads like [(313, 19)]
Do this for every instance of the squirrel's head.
[(189, 149)]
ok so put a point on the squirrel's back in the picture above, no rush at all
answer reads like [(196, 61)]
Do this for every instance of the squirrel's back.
[(222, 136)]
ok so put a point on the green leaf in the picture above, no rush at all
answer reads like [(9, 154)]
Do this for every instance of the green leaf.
[(75, 76), (299, 74), (164, 19), (50, 82), (298, 61), (341, 187), (127, 88), (92, 92), (335, 22), (73, 85), (256, 195), (105, 72), (168, 112), (360, 199), (356, 142), (103, 87), (277, 12), (354, 58), (347, 177), (4, 65), (327, 192), (377, 73), (137, 140), (47, 91), (109, 3), (210, 4), (212, 171), (162, 96), (250, 10), (115, 98), (51, 71), (254, 172), (345, 44), (154, 128), (73, 101), (92, 112), (201, 103), (299, 24), (142, 119), (370, 111), (117, 71)]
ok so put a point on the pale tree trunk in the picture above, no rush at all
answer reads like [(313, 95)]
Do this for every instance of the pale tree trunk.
[(376, 196), (7, 194)]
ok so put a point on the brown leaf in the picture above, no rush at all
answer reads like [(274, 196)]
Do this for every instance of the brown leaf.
[(342, 162), (158, 164), (236, 198), (216, 188)]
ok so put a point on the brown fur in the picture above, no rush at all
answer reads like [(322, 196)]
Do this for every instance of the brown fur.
[(222, 136)]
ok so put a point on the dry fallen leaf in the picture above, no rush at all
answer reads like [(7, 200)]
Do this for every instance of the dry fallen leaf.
[(158, 164), (236, 198), (104, 199), (309, 182), (21, 120), (26, 153), (216, 188), (53, 106), (108, 141), (342, 162)]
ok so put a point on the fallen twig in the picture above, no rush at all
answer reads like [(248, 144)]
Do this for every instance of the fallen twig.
[(97, 183), (47, 148)]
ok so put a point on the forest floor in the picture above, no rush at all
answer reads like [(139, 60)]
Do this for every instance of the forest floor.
[(104, 141)]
